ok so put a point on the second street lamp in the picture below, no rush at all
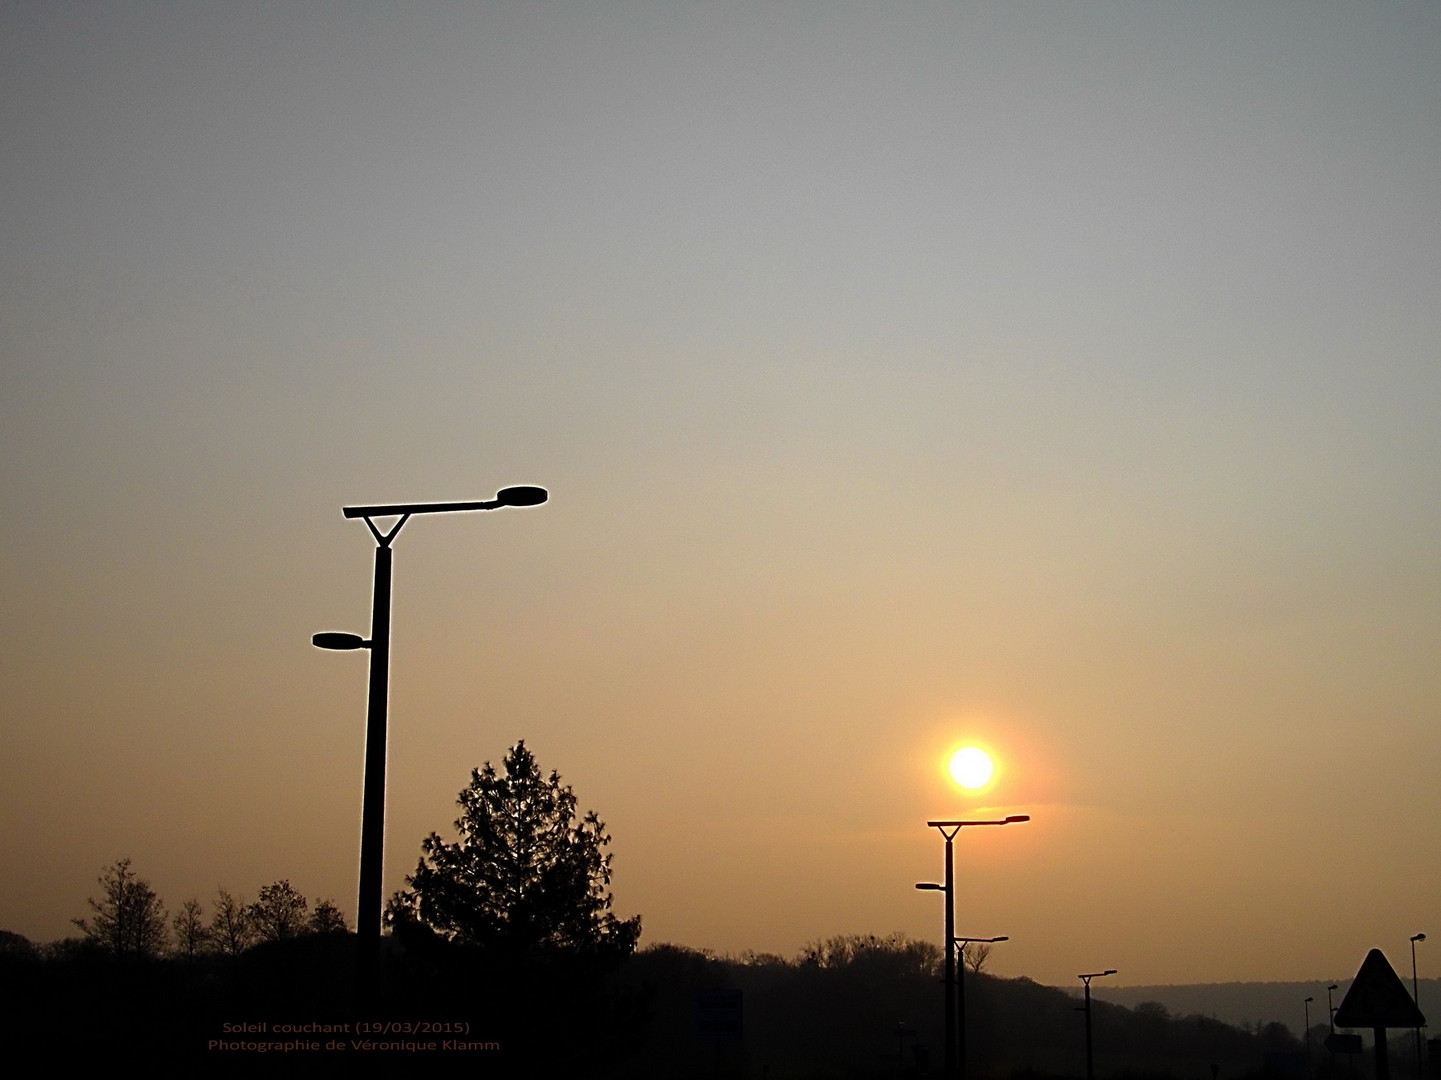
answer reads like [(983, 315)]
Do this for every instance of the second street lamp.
[(949, 829), (372, 813), (1090, 1066), (962, 942)]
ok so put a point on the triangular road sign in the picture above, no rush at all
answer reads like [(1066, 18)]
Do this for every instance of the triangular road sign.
[(1378, 998)]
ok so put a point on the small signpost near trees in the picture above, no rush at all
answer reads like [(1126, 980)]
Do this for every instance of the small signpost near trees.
[(1378, 999)]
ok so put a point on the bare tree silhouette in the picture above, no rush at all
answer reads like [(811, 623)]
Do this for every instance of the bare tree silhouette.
[(326, 919), (129, 920), (231, 930), (191, 936), (279, 913)]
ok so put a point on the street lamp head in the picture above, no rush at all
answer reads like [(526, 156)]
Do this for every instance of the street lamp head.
[(930, 885), (1418, 937), (1333, 986), (1310, 999), (336, 640), (523, 495), (962, 824)]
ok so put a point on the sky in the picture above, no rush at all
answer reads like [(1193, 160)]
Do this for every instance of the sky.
[(1059, 378)]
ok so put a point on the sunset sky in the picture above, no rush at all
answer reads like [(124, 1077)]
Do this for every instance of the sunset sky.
[(1061, 378)]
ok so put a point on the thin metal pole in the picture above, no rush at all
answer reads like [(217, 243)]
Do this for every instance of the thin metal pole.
[(961, 1013), (1306, 1005), (1331, 1023), (1090, 1066), (1416, 998), (372, 820), (950, 954)]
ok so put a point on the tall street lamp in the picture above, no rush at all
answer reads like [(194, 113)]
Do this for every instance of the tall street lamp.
[(1416, 997), (1090, 1066), (949, 829), (372, 813)]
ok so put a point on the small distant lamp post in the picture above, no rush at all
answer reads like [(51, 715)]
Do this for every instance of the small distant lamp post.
[(962, 942), (1307, 1006), (372, 814), (902, 1034), (1416, 997), (949, 829), (1331, 1023), (1090, 1066)]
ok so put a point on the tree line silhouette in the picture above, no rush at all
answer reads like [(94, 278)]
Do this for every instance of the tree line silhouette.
[(508, 932), (128, 919)]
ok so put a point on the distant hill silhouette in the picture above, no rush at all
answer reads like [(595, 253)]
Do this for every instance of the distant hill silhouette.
[(865, 1012), (848, 1008), (1249, 1002)]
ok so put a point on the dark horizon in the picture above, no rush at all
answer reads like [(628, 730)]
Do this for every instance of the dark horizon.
[(1057, 380)]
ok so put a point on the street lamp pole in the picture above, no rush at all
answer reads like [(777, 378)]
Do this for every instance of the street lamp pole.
[(902, 1033), (1306, 1005), (1416, 997), (372, 813), (372, 804), (949, 829), (961, 995), (1090, 1066), (1331, 1023)]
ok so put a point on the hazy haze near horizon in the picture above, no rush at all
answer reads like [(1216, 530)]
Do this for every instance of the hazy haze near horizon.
[(1248, 1003)]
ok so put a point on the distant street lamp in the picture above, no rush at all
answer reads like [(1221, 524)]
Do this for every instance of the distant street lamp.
[(962, 942), (1416, 997), (1307, 1006), (949, 829), (1090, 1067), (1331, 1021), (372, 815), (902, 1034)]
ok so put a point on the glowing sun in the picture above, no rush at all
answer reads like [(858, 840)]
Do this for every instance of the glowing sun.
[(971, 767)]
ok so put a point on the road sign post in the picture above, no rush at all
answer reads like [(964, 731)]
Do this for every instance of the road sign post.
[(1378, 1000)]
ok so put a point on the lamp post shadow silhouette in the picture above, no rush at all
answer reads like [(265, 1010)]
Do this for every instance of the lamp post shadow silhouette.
[(954, 1061), (372, 821)]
